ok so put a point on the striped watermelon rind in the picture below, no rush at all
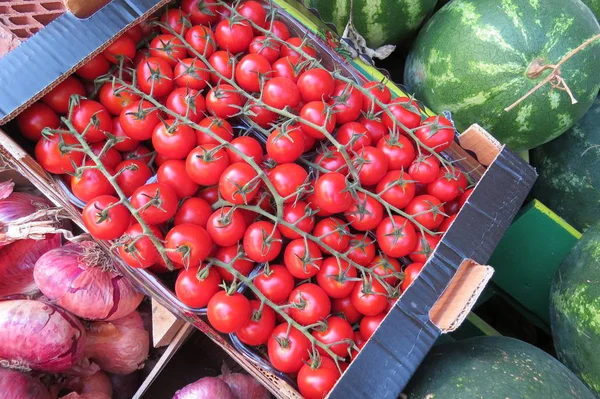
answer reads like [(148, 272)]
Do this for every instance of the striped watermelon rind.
[(378, 21), (575, 309), (472, 59), (594, 5)]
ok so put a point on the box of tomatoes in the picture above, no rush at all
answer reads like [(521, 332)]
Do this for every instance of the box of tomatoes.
[(316, 222)]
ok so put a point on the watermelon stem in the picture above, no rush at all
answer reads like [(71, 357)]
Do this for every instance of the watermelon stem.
[(554, 78)]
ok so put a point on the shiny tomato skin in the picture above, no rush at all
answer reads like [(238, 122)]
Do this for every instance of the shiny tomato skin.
[(436, 132), (449, 185), (396, 236), (189, 245), (288, 51), (154, 76), (49, 155), (425, 246), (193, 210), (173, 140), (202, 40), (411, 272), (405, 111), (315, 85), (123, 47), (426, 210), (280, 93), (375, 127), (35, 118), (288, 352), (333, 233), (175, 19), (242, 265), (226, 226), (223, 101), (369, 324), (369, 299), (287, 178), (287, 67), (228, 313), (93, 116), (302, 259), (379, 91), (144, 253), (331, 160), (110, 227), (168, 47), (335, 277), (361, 249), (315, 113), (90, 184), (276, 285), (238, 184), (344, 307), (316, 304), (338, 329), (248, 146), (386, 267), (259, 328), (251, 71), (206, 163), (138, 120), (157, 212), (347, 102), (234, 37), (191, 73), (220, 127), (111, 158), (267, 47), (424, 169), (279, 29), (222, 62), (94, 68), (446, 224), (285, 147), (398, 150), (200, 12), (253, 11), (365, 213), (260, 115), (114, 98), (195, 292), (173, 174), (133, 173), (58, 98), (317, 382), (187, 102), (262, 241), (396, 188), (297, 214), (372, 165), (331, 192), (354, 136)]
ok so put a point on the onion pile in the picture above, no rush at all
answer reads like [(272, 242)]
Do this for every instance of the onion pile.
[(227, 386), (39, 336), (16, 385), (97, 382), (120, 346), (244, 386), (80, 278)]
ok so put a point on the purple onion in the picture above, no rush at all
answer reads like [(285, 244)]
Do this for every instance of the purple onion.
[(17, 385)]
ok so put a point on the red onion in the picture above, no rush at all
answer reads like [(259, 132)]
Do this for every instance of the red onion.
[(125, 385), (80, 278), (119, 346), (98, 382), (206, 388), (17, 261), (17, 385), (39, 336), (243, 386), (87, 395)]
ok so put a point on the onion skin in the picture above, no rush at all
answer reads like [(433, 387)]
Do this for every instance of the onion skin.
[(15, 205), (17, 385), (87, 395), (17, 261), (206, 388), (78, 278), (119, 346), (40, 336), (244, 386), (97, 382)]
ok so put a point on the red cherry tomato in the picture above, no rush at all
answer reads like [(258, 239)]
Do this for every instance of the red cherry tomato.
[(406, 112), (228, 313), (315, 85), (59, 97), (396, 236), (312, 302), (195, 286), (279, 29), (103, 223), (280, 93), (335, 277), (192, 73), (369, 297), (234, 37), (53, 155), (203, 12), (333, 233), (338, 335), (219, 127), (206, 163), (94, 68), (316, 379), (122, 48), (90, 184), (168, 47), (316, 113), (143, 253), (302, 258), (425, 246), (239, 184), (426, 210), (332, 193), (242, 265), (424, 169), (436, 133), (187, 102), (188, 245), (276, 284), (223, 101), (222, 62), (267, 47), (287, 178), (172, 173), (449, 185), (380, 92), (139, 119), (259, 328), (369, 324), (226, 226), (202, 40), (132, 174), (154, 76), (288, 349), (156, 202), (396, 188), (35, 118), (175, 19), (91, 116), (344, 307), (252, 71), (411, 272), (300, 215), (262, 241)]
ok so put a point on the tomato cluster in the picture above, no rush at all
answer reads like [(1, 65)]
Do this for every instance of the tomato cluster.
[(338, 192)]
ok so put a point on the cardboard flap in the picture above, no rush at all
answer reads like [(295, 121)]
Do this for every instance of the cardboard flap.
[(84, 8), (477, 140), (460, 295)]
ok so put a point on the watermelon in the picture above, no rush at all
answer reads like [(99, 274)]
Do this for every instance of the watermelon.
[(378, 21), (569, 172), (594, 5), (477, 57), (493, 368), (575, 309)]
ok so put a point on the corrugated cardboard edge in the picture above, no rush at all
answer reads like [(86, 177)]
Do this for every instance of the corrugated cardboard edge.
[(84, 8), (458, 298), (476, 139)]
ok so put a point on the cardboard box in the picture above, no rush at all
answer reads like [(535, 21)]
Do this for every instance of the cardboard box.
[(437, 301)]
